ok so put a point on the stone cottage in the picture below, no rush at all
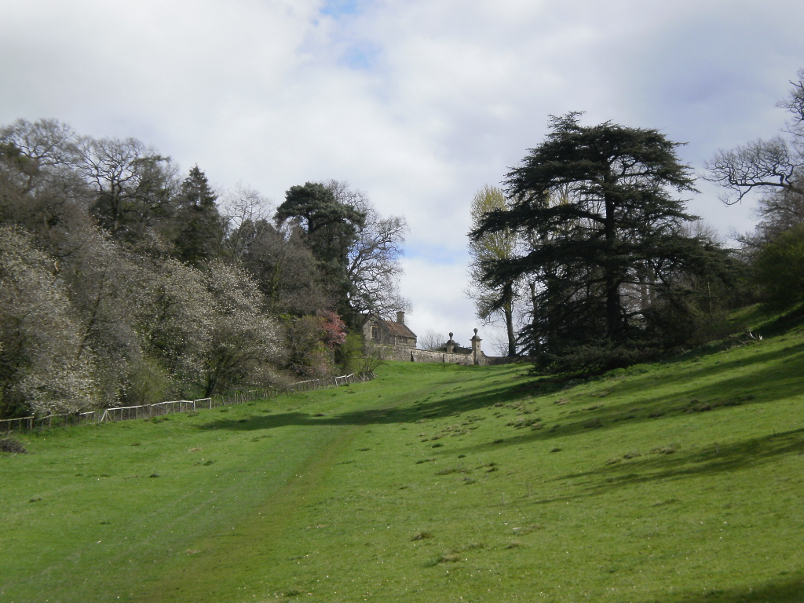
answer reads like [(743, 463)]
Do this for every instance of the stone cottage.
[(388, 332)]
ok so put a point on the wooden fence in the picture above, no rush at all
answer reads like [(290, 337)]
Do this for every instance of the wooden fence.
[(145, 411)]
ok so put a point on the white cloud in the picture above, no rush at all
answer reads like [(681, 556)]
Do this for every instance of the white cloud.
[(417, 103), (439, 300)]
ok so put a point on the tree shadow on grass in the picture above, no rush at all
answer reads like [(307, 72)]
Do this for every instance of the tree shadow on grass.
[(774, 381), (786, 589), (664, 465), (661, 465), (445, 406), (683, 376)]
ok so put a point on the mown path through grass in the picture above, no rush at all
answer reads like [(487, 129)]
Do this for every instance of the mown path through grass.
[(235, 560), (255, 556)]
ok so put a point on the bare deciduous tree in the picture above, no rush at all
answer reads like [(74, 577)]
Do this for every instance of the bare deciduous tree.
[(432, 340), (765, 165), (134, 186), (373, 259)]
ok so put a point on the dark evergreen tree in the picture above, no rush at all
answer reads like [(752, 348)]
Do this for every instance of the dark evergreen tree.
[(330, 230), (201, 228), (607, 251)]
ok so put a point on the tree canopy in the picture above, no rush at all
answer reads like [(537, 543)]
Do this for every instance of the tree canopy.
[(330, 229), (491, 246), (121, 283), (608, 260), (200, 226), (356, 250)]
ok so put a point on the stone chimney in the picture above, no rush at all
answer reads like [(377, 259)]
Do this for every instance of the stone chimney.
[(400, 317)]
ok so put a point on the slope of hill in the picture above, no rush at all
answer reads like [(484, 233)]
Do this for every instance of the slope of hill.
[(679, 482)]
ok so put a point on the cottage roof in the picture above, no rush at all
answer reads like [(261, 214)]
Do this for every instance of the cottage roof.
[(398, 329)]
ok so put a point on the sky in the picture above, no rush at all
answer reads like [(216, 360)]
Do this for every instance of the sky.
[(417, 103)]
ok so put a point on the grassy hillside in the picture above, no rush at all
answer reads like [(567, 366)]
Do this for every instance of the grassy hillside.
[(680, 482)]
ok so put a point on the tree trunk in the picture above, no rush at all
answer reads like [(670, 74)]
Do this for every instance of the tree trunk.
[(509, 326), (611, 270), (508, 312)]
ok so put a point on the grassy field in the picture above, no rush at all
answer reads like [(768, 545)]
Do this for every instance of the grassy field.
[(680, 482)]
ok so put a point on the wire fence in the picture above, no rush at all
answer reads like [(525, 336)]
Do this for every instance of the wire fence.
[(146, 411)]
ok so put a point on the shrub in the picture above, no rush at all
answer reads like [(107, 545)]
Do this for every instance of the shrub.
[(11, 445), (148, 383), (779, 268)]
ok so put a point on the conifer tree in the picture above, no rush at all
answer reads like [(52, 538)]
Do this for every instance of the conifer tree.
[(200, 226), (609, 259)]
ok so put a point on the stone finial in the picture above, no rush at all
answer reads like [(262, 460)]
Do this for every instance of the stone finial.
[(450, 346)]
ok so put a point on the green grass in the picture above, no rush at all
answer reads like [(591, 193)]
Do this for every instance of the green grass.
[(679, 482)]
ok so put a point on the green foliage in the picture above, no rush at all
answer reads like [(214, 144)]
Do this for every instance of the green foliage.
[(597, 357), (606, 250), (350, 354), (200, 227), (491, 247), (122, 284), (307, 353), (148, 383), (358, 357), (330, 227), (779, 267), (284, 268)]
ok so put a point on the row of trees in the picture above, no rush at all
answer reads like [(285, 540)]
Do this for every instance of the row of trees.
[(591, 238), (121, 282)]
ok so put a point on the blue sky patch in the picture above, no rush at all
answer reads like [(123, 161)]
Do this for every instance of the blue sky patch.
[(436, 254), (360, 55), (339, 8)]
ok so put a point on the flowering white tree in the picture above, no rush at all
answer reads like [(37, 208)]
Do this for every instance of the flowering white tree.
[(243, 340), (41, 369)]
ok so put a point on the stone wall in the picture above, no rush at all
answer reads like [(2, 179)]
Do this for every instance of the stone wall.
[(455, 355), (408, 355)]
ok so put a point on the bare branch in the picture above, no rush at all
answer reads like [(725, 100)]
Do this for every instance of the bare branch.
[(761, 164)]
